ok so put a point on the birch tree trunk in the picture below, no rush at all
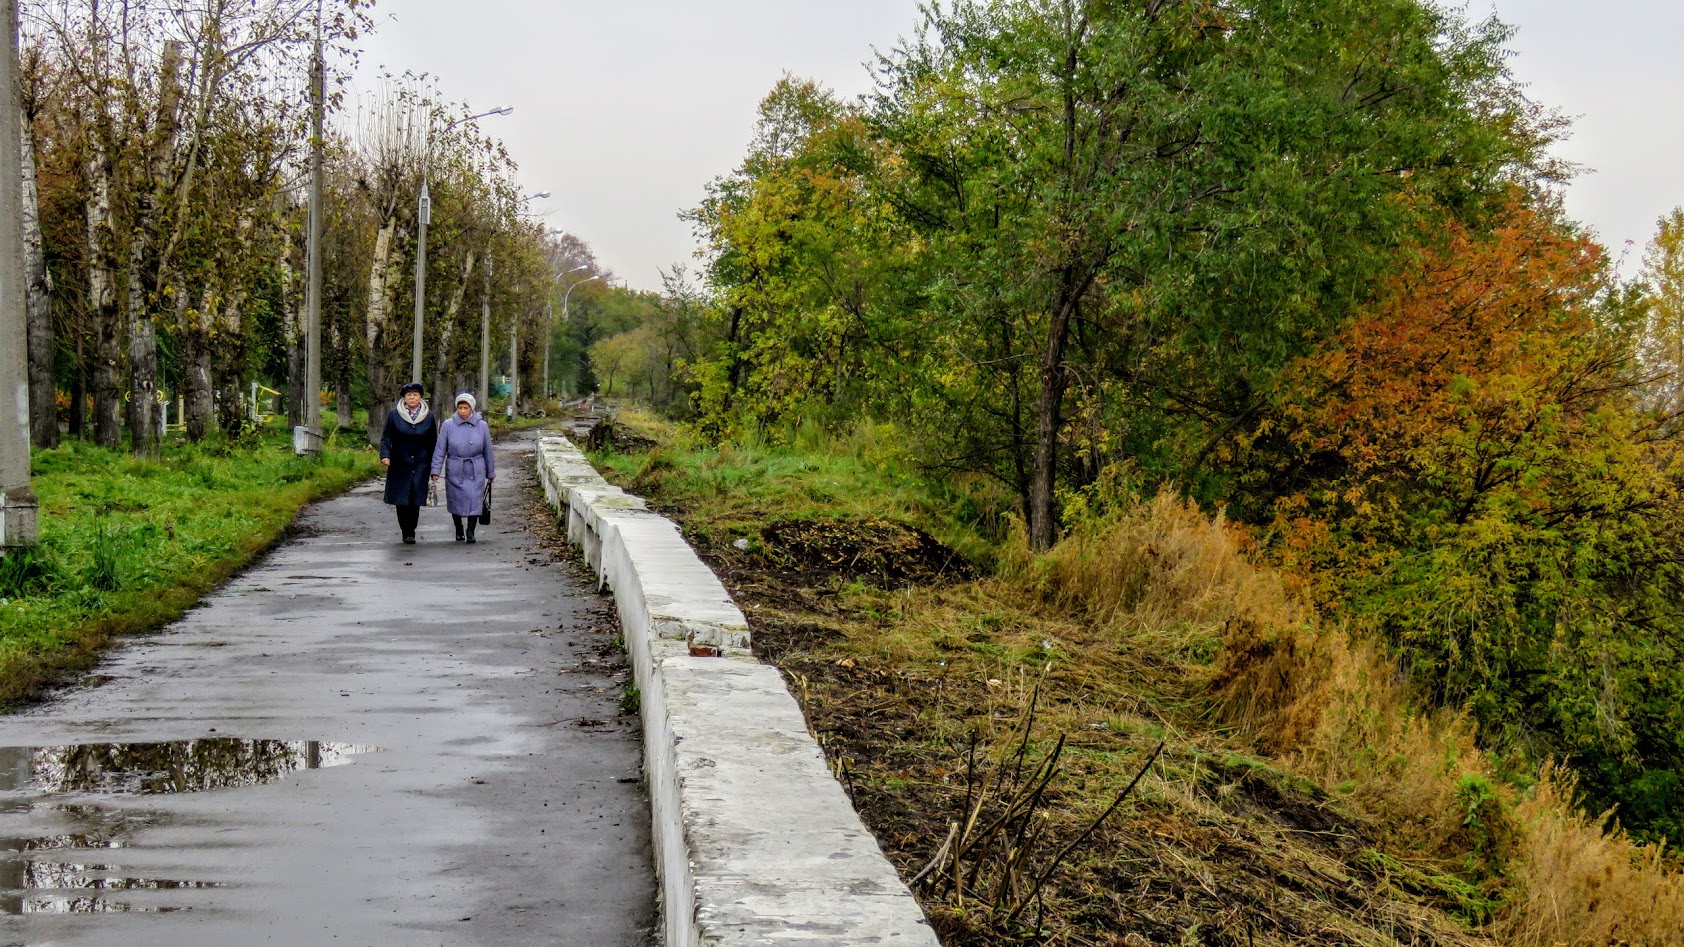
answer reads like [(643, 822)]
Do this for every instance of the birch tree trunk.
[(228, 331), (232, 412), (102, 303), (380, 393), (198, 401), (292, 320), (38, 288), (143, 360), (144, 425)]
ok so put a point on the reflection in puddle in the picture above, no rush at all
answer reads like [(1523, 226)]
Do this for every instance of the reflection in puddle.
[(11, 904), (44, 887), (59, 843), (66, 869), (165, 767), (49, 876)]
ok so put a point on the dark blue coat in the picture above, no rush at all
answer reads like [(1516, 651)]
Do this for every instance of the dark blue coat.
[(409, 447)]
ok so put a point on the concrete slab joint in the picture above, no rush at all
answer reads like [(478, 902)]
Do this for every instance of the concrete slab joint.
[(755, 842)]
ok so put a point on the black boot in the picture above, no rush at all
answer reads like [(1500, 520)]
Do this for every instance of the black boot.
[(472, 522), (458, 521)]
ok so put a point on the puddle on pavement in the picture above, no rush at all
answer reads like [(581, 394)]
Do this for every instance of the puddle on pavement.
[(74, 871), (70, 868), (173, 766)]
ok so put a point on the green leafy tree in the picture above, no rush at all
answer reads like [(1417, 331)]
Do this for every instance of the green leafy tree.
[(1127, 214), (805, 257)]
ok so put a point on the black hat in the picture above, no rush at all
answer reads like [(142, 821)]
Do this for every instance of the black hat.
[(414, 386)]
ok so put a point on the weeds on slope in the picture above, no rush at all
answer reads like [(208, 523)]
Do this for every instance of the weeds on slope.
[(1141, 737)]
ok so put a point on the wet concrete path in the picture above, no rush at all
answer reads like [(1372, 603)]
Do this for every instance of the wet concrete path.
[(353, 742)]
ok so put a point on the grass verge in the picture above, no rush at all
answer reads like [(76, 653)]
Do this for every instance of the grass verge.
[(129, 544), (1137, 738)]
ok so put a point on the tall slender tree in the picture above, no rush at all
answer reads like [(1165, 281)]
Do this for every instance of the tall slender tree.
[(1661, 350)]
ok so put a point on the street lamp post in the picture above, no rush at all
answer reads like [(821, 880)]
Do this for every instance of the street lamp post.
[(18, 505), (485, 340), (425, 213), (564, 297), (569, 292), (308, 441), (549, 320)]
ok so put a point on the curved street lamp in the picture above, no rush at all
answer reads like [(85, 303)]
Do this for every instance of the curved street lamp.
[(570, 290), (424, 215), (549, 321)]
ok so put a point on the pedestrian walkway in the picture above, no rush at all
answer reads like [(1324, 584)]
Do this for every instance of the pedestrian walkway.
[(354, 742)]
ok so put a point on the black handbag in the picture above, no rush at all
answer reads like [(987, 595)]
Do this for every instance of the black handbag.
[(485, 506)]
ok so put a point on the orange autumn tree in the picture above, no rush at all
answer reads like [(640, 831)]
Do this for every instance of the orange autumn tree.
[(1466, 471)]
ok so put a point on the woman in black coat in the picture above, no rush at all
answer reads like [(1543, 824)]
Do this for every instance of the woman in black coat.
[(406, 448)]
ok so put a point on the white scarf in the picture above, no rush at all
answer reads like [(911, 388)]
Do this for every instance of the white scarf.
[(415, 417)]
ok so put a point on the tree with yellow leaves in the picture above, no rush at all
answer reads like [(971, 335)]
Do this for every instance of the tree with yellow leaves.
[(1661, 352)]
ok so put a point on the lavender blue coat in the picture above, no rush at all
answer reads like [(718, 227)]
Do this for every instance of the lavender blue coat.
[(463, 455)]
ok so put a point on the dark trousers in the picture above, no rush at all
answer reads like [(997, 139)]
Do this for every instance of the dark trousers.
[(471, 522), (408, 516)]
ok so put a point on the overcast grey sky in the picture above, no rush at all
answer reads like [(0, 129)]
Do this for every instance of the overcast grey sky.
[(625, 109)]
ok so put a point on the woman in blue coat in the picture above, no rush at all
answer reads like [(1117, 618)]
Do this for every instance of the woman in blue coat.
[(406, 445), (463, 456)]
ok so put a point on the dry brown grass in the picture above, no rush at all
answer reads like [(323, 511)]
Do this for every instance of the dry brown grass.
[(1160, 564), (1339, 712), (1403, 767), (1582, 884)]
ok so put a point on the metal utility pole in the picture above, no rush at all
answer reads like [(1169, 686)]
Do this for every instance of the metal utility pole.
[(549, 317), (426, 216), (569, 294), (308, 440), (549, 338), (564, 313), (485, 339), (18, 507)]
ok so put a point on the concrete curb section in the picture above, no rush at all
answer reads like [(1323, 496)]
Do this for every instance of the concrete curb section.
[(755, 842)]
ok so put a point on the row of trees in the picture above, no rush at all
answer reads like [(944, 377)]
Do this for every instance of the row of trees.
[(165, 150), (1298, 257), (640, 345)]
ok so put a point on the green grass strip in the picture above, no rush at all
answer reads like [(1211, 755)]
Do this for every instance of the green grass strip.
[(129, 544)]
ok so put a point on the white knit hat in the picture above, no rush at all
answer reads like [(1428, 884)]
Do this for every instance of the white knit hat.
[(469, 398)]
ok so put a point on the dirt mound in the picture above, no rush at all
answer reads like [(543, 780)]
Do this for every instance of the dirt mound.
[(608, 436), (885, 553)]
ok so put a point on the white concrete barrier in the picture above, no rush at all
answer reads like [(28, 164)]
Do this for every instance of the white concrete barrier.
[(755, 842)]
